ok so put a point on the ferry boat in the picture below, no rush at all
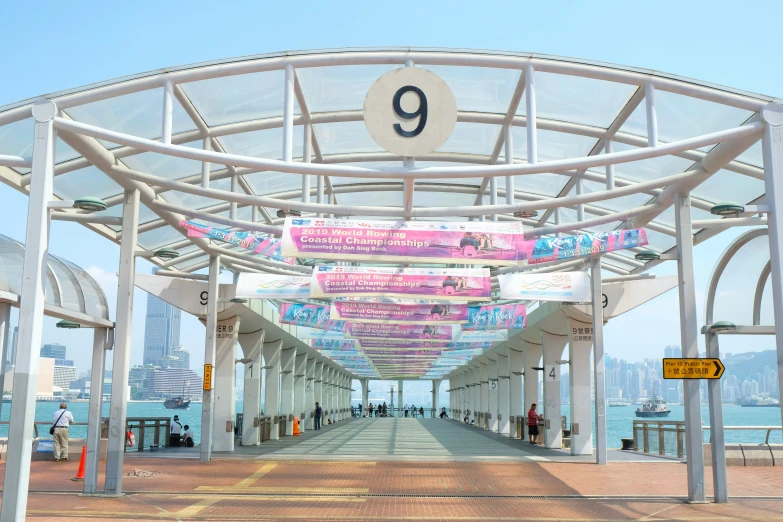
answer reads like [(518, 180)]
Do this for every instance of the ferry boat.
[(655, 407), (177, 403), (759, 402), (618, 403)]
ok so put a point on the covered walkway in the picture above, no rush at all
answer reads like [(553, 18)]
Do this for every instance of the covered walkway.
[(406, 439)]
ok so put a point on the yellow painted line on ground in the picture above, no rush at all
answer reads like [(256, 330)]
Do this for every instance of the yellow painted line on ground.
[(196, 508), (266, 468), (277, 498), (272, 489)]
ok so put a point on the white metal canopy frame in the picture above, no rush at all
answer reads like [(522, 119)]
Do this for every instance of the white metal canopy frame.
[(592, 147)]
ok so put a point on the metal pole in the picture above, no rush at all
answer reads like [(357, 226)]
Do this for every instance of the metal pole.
[(288, 114), (20, 428), (530, 112), (168, 112), (122, 344), (652, 117), (94, 415), (690, 348), (5, 323), (232, 206), (307, 157), (772, 145), (609, 149), (493, 194), (205, 165), (207, 404), (509, 150), (717, 445), (598, 361), (580, 208)]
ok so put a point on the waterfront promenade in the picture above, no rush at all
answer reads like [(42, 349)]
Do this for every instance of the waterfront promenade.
[(393, 469)]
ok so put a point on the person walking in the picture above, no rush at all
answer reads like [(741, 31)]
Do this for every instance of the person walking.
[(62, 419), (318, 413), (405, 409), (384, 410), (443, 414), (532, 424), (369, 409), (414, 410), (421, 411)]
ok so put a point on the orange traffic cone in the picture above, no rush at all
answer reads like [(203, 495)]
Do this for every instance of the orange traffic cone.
[(82, 462), (296, 426)]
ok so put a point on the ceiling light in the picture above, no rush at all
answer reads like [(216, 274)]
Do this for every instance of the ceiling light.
[(722, 326), (166, 253), (727, 208), (90, 204), (70, 325), (647, 255), (526, 214), (283, 213)]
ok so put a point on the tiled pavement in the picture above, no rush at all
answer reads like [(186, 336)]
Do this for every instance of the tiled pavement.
[(258, 488)]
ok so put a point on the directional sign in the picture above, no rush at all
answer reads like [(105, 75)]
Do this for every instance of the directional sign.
[(693, 368)]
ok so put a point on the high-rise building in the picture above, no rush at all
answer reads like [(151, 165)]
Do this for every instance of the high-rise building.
[(161, 329), (53, 351), (672, 351), (183, 357), (65, 373)]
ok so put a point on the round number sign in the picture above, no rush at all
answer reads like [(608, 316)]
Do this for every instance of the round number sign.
[(410, 111)]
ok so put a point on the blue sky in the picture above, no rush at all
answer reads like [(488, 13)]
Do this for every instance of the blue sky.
[(53, 46)]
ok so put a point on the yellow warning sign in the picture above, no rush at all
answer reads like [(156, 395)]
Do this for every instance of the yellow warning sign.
[(207, 377), (693, 368)]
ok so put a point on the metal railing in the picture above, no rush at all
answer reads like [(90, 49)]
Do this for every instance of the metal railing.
[(668, 437), (150, 432)]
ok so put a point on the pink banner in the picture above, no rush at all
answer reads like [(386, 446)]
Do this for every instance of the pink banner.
[(382, 343), (403, 332), (569, 247), (465, 284), (397, 241), (309, 316), (266, 246), (496, 317), (387, 353), (394, 313)]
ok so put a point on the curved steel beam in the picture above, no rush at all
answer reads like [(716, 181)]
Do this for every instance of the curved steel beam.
[(760, 292)]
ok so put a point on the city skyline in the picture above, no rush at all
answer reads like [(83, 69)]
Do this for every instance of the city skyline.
[(162, 328)]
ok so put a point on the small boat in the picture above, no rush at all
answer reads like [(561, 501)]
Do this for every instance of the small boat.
[(655, 407), (759, 402), (177, 403), (619, 404)]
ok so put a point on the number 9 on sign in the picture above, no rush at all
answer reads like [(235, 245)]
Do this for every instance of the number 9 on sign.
[(410, 111)]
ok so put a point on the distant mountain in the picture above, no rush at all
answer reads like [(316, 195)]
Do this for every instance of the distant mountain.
[(750, 363)]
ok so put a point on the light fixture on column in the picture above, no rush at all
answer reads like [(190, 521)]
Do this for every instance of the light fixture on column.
[(727, 208), (69, 325), (240, 300), (647, 255), (722, 326), (244, 361), (283, 213), (90, 204), (526, 214), (166, 253)]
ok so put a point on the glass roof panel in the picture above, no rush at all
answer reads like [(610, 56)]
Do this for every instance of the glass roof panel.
[(159, 237), (651, 168), (542, 184), (736, 288), (145, 214), (667, 216), (725, 185), (658, 241), (69, 285), (681, 117), (339, 88), (188, 200), (89, 181), (16, 139), (271, 182), (11, 265), (753, 156), (344, 137), (375, 199), (615, 204), (442, 199), (579, 100), (552, 145), (480, 89), (165, 166), (139, 114), (94, 299), (472, 138), (233, 99)]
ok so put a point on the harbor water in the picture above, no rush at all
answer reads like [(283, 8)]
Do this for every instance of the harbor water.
[(619, 420)]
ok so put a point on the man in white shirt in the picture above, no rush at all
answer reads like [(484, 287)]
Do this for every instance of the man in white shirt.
[(62, 419), (176, 432)]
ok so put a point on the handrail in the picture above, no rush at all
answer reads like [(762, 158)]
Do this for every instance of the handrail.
[(768, 429)]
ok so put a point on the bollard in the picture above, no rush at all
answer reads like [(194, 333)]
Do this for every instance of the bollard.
[(82, 463)]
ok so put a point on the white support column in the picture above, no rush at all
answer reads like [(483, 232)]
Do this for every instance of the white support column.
[(210, 342), (309, 398), (288, 114), (206, 144), (272, 389), (531, 355), (299, 388), (287, 388), (720, 492), (609, 149), (492, 394), (504, 395), (365, 395), (652, 117), (20, 428), (509, 156), (327, 393), (5, 325), (307, 157), (580, 345), (252, 347), (399, 395), (484, 393), (772, 147), (516, 397), (599, 376), (435, 398), (317, 388), (225, 385), (475, 390), (530, 113), (689, 331), (168, 113), (552, 348), (90, 485), (122, 345)]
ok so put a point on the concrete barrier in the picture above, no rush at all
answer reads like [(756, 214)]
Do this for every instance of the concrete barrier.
[(777, 454), (734, 455), (757, 455), (74, 450)]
